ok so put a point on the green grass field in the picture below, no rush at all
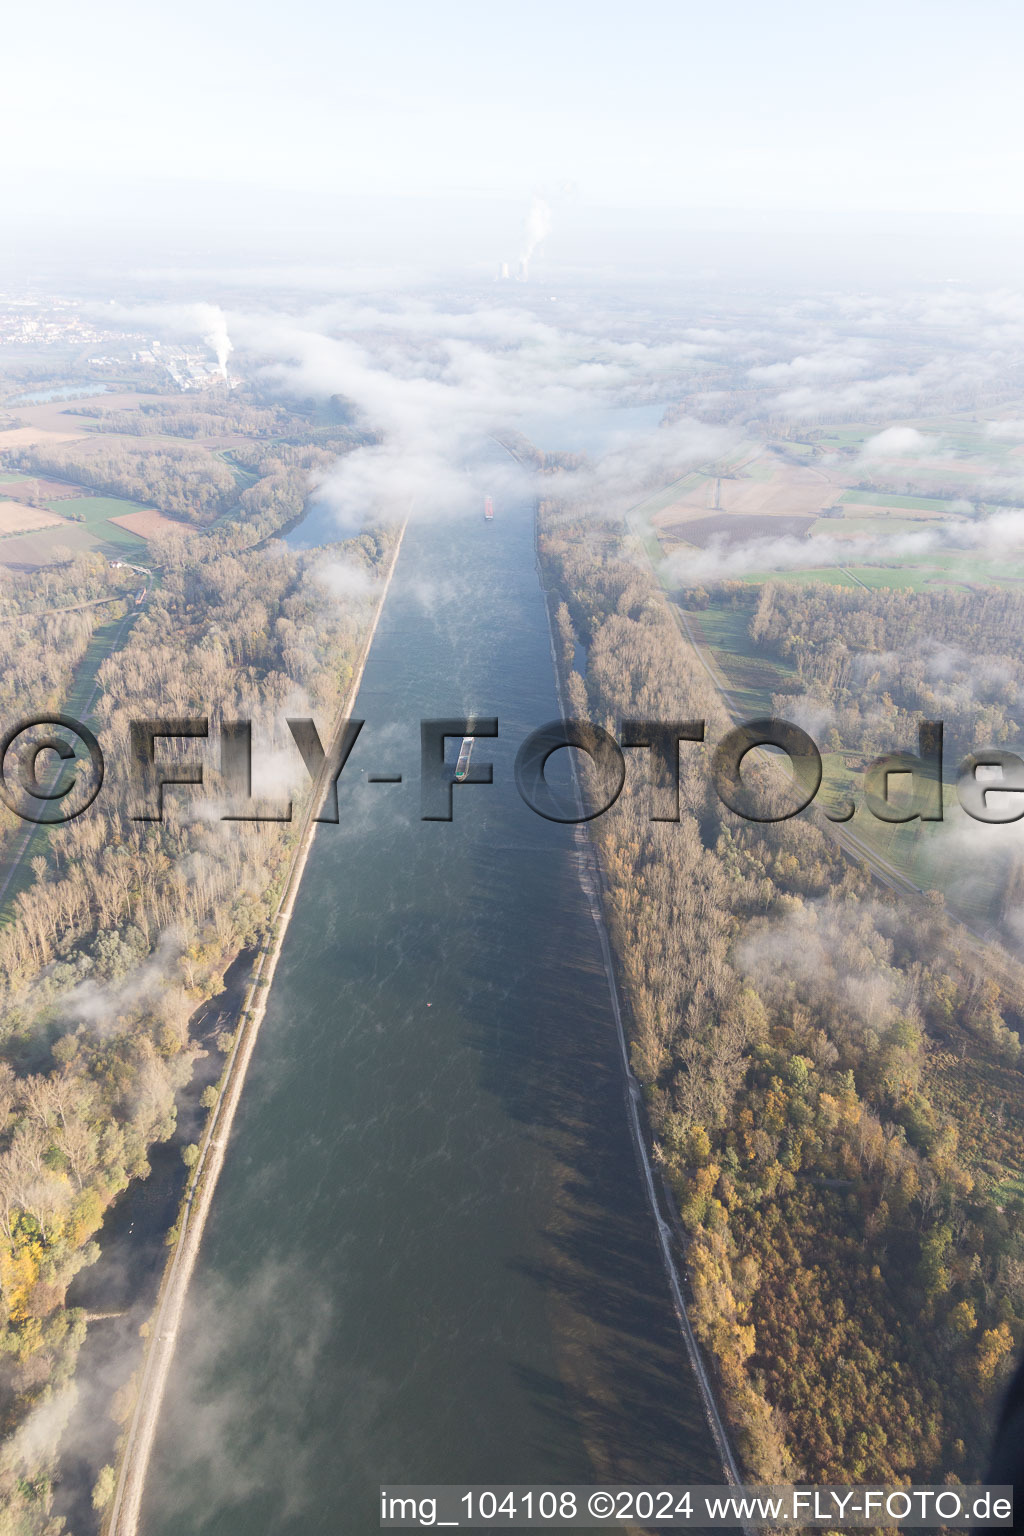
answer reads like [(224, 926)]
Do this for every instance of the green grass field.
[(848, 437), (753, 679), (831, 575), (731, 460), (1007, 1190), (664, 498), (93, 509), (951, 570), (905, 580), (244, 478), (872, 524), (96, 512), (910, 503)]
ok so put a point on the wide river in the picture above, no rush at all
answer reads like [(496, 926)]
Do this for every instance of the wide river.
[(430, 1256)]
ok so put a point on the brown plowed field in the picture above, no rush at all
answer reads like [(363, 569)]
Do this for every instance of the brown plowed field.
[(43, 490), (14, 518), (731, 528), (151, 525)]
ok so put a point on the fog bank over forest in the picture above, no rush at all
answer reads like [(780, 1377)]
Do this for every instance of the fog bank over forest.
[(434, 371)]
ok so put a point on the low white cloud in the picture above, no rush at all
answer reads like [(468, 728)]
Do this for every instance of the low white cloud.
[(1002, 535), (899, 443), (343, 579), (102, 1005)]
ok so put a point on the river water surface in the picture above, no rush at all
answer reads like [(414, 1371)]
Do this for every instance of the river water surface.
[(430, 1257)]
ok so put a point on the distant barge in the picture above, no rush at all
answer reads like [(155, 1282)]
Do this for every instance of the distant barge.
[(465, 753)]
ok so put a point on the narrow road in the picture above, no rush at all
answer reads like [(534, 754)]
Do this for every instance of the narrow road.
[(42, 613)]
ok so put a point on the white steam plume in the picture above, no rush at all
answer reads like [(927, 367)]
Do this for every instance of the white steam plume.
[(180, 321), (215, 334), (537, 228)]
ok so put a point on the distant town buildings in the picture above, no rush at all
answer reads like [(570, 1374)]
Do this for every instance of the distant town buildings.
[(28, 326), (44, 324)]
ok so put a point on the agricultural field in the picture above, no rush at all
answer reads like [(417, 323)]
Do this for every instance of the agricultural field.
[(761, 485), (29, 551), (29, 488), (74, 517), (672, 495), (838, 494), (831, 575), (149, 524), (731, 528), (92, 510), (940, 570), (890, 502), (15, 517), (861, 521), (897, 538), (76, 522), (32, 437), (67, 419)]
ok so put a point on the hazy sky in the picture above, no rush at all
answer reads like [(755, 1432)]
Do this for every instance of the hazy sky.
[(661, 107), (798, 105)]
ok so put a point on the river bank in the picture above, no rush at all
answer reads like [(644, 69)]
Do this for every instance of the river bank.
[(121, 1517), (119, 1292), (593, 883)]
